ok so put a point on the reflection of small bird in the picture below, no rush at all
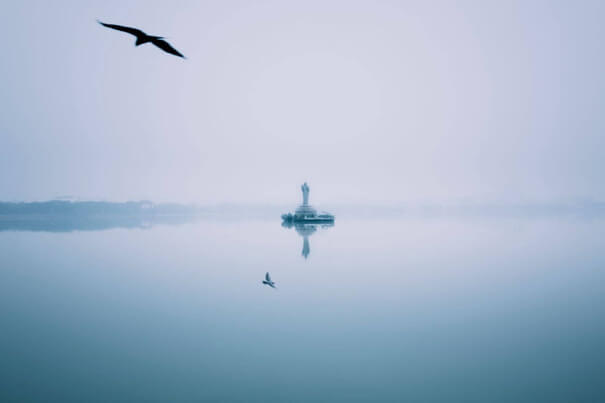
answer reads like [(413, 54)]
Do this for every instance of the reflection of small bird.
[(142, 38), (268, 281)]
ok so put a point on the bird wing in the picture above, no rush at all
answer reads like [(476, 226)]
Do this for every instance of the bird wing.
[(166, 47), (268, 277), (132, 31)]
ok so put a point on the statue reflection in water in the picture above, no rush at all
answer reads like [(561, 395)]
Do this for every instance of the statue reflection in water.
[(306, 220), (305, 230)]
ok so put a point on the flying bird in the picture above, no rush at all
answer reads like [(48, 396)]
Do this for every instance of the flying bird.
[(268, 281), (142, 38)]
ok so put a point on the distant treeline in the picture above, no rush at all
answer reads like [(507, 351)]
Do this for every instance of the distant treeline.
[(67, 216), (93, 208)]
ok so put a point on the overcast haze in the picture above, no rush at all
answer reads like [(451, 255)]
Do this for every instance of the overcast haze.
[(368, 101)]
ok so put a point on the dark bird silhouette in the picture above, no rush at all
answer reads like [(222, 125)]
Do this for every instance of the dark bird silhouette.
[(142, 38), (268, 281)]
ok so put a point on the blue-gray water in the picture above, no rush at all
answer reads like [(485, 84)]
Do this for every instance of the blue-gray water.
[(419, 309)]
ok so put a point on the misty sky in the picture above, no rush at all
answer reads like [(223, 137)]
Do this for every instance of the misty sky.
[(368, 101)]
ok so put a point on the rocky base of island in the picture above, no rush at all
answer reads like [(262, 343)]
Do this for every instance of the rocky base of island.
[(315, 218)]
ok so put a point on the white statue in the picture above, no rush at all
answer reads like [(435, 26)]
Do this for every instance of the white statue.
[(305, 190)]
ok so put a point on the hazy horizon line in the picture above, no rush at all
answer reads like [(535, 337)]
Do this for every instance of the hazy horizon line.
[(392, 203)]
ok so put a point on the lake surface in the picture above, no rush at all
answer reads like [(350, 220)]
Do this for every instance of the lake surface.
[(418, 309)]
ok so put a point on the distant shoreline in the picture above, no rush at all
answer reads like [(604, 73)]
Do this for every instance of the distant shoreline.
[(90, 208), (43, 210)]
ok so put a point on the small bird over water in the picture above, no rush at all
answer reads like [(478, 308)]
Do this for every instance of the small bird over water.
[(268, 281), (142, 38)]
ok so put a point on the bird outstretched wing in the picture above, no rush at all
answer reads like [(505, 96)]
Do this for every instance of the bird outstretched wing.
[(268, 277), (166, 47), (132, 31)]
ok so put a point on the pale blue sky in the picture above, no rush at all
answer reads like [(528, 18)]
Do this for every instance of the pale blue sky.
[(368, 101)]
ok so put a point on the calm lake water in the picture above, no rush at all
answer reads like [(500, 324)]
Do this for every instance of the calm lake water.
[(418, 309)]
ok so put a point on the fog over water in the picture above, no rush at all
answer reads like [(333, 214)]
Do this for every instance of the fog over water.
[(458, 144)]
